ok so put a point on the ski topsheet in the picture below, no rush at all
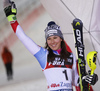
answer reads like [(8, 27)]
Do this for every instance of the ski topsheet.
[(79, 45)]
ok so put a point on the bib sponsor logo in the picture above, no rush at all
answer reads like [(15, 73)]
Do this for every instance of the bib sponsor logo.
[(57, 61), (61, 84)]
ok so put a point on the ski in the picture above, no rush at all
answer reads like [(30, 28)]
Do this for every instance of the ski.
[(79, 45)]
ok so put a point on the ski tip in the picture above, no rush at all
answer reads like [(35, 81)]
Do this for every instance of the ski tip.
[(77, 22)]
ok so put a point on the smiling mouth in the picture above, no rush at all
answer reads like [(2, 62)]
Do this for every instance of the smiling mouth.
[(53, 45)]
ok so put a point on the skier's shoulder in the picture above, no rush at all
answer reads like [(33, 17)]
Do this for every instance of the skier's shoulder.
[(72, 56), (41, 52)]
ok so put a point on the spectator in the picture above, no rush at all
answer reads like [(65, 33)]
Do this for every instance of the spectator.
[(7, 60)]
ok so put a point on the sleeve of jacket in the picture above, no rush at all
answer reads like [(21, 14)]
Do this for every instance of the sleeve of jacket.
[(28, 42)]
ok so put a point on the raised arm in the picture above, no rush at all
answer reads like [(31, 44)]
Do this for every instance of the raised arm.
[(10, 12)]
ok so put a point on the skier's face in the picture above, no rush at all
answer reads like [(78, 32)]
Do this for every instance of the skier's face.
[(54, 42)]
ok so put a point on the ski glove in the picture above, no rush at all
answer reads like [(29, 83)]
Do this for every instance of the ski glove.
[(91, 79), (10, 11)]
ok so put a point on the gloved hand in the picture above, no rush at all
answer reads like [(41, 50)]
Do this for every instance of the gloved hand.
[(91, 79), (10, 10)]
